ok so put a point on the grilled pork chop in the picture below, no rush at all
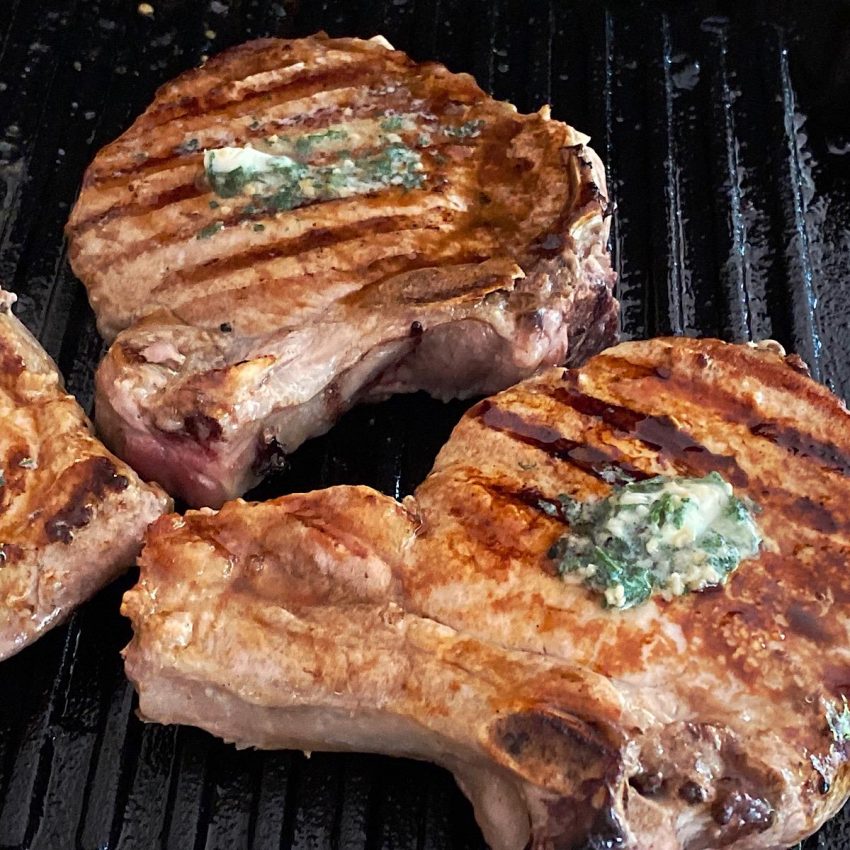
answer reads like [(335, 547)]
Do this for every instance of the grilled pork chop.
[(440, 627), (300, 225), (71, 514)]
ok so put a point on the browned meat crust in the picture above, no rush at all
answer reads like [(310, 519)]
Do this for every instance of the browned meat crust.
[(71, 514), (491, 263), (341, 619)]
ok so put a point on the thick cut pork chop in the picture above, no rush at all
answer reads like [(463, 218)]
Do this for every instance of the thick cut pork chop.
[(300, 225), (439, 628), (71, 515)]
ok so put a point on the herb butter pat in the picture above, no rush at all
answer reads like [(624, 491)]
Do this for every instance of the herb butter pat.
[(663, 535), (280, 182)]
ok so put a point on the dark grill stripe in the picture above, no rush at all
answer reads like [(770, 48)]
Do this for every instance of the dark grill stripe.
[(186, 191), (528, 497), (107, 175), (663, 435), (181, 192), (740, 408), (593, 460), (325, 80), (382, 269), (313, 239), (659, 433), (235, 216), (604, 462)]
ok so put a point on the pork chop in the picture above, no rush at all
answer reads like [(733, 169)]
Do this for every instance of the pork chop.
[(71, 515), (300, 225), (442, 627)]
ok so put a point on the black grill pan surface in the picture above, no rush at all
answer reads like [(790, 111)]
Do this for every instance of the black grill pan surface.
[(725, 129)]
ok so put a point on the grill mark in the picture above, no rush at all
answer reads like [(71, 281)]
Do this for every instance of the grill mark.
[(352, 77), (528, 496), (735, 408), (347, 208), (14, 474), (810, 624), (11, 364), (803, 445), (181, 192), (629, 369), (108, 178), (259, 56), (195, 189), (837, 677), (394, 265), (108, 175), (233, 265), (325, 78), (187, 273), (659, 433), (314, 239), (10, 554), (385, 268), (317, 118), (815, 515), (98, 477), (593, 460)]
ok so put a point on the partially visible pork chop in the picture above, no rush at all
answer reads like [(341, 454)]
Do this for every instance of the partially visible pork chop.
[(300, 225), (72, 516), (441, 628)]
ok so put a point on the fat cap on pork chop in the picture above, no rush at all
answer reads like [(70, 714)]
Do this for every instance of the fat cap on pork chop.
[(71, 514), (439, 628), (408, 232)]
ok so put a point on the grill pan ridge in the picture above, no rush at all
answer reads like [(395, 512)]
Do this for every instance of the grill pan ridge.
[(725, 129)]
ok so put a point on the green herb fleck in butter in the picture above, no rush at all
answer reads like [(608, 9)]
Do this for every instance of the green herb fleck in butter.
[(279, 182), (393, 123), (187, 146), (467, 130), (664, 535), (210, 230), (305, 144)]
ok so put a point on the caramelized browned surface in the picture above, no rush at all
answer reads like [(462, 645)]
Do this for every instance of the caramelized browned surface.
[(298, 638), (712, 708), (264, 331), (661, 407), (515, 190), (71, 514), (764, 655)]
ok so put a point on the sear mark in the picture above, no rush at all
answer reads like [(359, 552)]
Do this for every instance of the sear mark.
[(660, 433), (598, 462), (99, 477)]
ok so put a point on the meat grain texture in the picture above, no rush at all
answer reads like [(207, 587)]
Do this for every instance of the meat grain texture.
[(411, 234), (437, 628), (72, 515)]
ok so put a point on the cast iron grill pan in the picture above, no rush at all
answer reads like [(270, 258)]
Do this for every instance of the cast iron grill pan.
[(724, 128)]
